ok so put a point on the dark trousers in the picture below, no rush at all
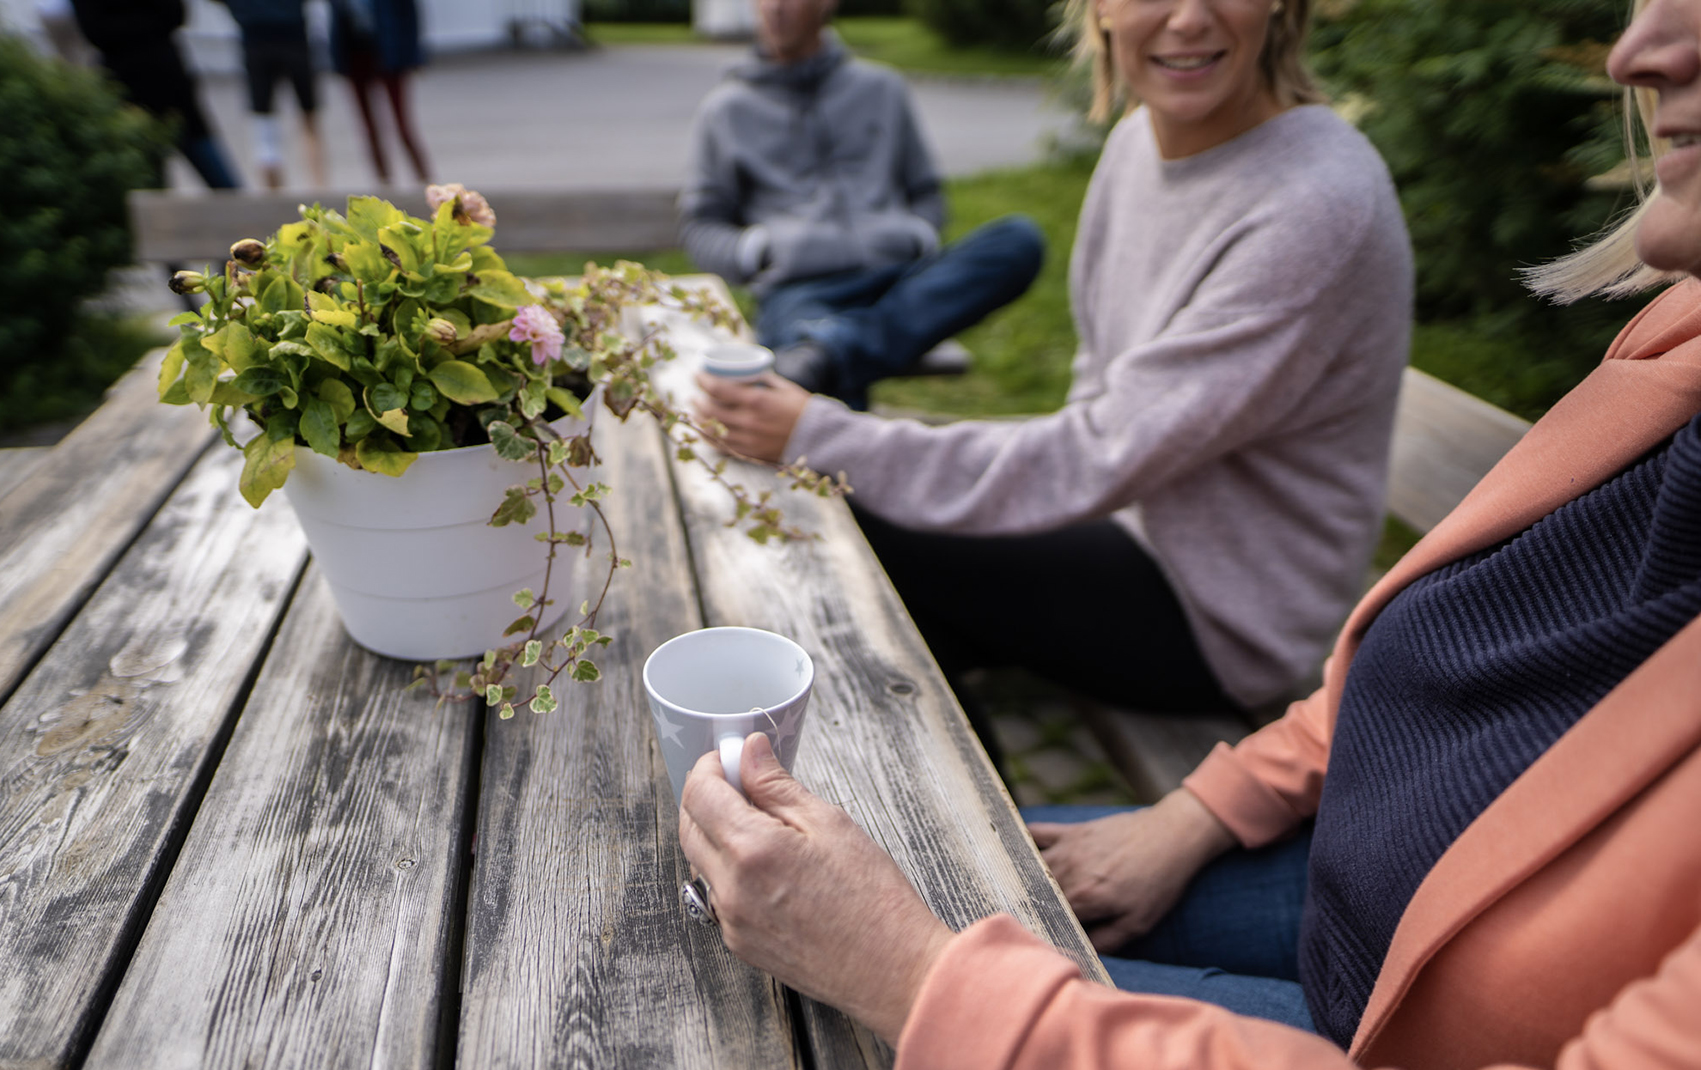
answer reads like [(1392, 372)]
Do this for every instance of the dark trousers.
[(1233, 940), (1082, 606), (878, 322)]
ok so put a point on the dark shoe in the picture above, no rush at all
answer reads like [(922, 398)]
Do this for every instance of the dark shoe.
[(809, 365)]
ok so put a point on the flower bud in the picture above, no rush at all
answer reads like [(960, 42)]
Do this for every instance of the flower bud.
[(188, 282), (442, 331), (249, 251)]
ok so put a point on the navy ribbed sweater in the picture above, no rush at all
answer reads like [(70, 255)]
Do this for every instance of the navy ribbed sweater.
[(1465, 679)]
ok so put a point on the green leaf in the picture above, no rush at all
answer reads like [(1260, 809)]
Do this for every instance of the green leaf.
[(367, 262), (281, 294), (182, 318), (566, 402), (329, 343), (369, 215), (586, 672), (493, 694), (524, 624), (261, 381), (402, 239), (386, 396), (172, 368), (319, 427), (533, 651), (516, 508), (510, 444), (241, 348), (462, 383), (359, 425), (501, 288), (336, 393), (532, 399), (525, 598), (507, 713), (382, 457), (544, 700), (421, 396), (267, 463)]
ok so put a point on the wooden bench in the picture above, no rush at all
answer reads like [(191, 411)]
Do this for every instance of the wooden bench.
[(1445, 441)]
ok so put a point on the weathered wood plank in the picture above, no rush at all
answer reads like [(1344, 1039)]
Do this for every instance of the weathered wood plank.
[(106, 748), (577, 951), (885, 737), (63, 526), (17, 463), (180, 228), (1445, 441), (311, 919)]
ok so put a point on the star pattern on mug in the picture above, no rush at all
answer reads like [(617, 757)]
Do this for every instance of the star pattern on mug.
[(669, 731)]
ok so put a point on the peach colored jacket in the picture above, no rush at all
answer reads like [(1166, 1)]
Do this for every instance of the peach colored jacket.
[(1561, 929)]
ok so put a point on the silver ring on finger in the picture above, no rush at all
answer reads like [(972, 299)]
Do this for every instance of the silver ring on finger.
[(694, 895)]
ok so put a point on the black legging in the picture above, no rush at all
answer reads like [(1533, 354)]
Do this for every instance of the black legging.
[(1083, 606)]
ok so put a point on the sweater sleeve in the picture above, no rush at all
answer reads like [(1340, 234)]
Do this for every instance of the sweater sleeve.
[(711, 219), (919, 176), (1000, 998), (1231, 365)]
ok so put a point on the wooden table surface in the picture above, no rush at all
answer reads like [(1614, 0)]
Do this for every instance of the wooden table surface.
[(229, 839)]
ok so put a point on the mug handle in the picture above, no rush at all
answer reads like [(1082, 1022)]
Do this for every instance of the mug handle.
[(731, 747)]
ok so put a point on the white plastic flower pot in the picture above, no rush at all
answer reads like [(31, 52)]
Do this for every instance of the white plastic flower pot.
[(416, 570)]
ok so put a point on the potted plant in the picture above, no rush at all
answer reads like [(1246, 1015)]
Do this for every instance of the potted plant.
[(418, 404)]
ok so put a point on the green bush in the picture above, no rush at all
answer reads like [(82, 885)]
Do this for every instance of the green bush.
[(69, 149), (1015, 24), (1494, 116)]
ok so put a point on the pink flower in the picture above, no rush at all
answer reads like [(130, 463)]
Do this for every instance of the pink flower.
[(470, 207), (534, 324)]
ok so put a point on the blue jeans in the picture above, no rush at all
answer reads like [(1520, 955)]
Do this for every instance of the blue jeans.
[(1233, 940), (877, 322)]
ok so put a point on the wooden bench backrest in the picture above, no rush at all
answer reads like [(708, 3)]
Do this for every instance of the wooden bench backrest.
[(1445, 441), (193, 228)]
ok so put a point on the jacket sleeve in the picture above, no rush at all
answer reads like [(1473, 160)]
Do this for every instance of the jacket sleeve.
[(1249, 350), (1269, 782), (1000, 999), (711, 218)]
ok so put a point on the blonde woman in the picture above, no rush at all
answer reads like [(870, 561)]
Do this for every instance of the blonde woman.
[(1504, 764), (1190, 529)]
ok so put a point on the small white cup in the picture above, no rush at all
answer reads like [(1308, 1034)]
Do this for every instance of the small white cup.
[(738, 360), (709, 689)]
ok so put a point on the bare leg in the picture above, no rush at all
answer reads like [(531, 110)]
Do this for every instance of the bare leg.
[(397, 87), (315, 146), (361, 84)]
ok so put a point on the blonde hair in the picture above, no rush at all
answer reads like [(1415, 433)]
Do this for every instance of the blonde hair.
[(1282, 62), (1608, 265)]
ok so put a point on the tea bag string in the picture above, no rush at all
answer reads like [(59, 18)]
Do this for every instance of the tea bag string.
[(769, 715)]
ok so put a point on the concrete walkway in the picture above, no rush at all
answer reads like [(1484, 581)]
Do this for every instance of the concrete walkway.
[(613, 117)]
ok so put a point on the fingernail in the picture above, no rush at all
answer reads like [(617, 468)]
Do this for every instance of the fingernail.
[(761, 749)]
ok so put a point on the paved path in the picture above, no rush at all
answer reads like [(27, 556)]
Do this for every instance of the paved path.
[(612, 117)]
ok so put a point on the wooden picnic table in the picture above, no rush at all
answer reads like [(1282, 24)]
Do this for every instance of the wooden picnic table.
[(228, 837)]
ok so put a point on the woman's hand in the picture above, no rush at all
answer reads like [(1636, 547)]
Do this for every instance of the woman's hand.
[(758, 416), (804, 894), (1123, 873)]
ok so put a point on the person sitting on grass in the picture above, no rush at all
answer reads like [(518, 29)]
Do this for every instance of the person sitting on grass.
[(1189, 530), (810, 182), (1503, 764)]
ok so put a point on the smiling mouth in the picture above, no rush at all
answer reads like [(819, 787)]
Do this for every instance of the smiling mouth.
[(1187, 63), (1685, 141)]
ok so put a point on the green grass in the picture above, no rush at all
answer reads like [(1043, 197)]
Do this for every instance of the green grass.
[(70, 384), (903, 43)]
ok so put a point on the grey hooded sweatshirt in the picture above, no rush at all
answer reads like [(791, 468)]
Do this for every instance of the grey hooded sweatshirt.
[(806, 169)]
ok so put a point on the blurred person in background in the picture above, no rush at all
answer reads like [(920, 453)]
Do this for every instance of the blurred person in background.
[(1188, 531), (378, 41), (274, 47), (809, 181), (134, 39), (1503, 764)]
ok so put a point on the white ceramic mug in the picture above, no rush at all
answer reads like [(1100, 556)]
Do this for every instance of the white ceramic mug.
[(737, 360), (709, 689)]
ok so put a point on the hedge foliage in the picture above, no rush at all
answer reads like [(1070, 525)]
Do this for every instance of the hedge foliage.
[(1496, 118), (1017, 24), (70, 149)]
